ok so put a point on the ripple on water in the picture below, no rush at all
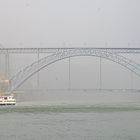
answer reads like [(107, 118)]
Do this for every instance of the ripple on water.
[(32, 108)]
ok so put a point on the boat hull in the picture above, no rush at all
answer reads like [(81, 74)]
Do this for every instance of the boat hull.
[(7, 103), (3, 104)]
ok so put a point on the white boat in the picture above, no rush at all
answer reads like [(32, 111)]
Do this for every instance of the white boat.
[(7, 100)]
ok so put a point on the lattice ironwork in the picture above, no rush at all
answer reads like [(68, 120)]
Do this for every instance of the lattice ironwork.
[(53, 50), (60, 54)]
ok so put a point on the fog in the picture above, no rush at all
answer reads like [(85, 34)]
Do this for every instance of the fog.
[(77, 98), (52, 23), (71, 23)]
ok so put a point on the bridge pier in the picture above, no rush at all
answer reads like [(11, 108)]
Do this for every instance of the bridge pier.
[(7, 68)]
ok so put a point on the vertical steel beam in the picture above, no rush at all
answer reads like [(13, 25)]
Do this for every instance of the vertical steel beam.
[(100, 72), (69, 73), (131, 74), (38, 79), (7, 65)]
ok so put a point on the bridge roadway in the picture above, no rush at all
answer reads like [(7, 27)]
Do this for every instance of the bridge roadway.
[(53, 50)]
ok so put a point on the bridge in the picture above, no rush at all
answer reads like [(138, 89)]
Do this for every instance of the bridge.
[(57, 54)]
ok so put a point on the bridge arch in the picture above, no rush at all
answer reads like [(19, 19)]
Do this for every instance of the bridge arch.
[(19, 78)]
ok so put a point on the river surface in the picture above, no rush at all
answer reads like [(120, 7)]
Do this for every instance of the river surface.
[(86, 120)]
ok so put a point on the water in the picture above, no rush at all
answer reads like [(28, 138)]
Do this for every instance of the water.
[(70, 121)]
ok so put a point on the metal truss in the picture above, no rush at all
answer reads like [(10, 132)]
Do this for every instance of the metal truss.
[(18, 79), (53, 50)]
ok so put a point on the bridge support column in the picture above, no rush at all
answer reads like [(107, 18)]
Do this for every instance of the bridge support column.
[(7, 65), (100, 73), (38, 79), (131, 74), (69, 73), (7, 73)]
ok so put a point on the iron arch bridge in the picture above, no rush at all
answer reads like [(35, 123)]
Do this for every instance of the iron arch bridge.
[(18, 79)]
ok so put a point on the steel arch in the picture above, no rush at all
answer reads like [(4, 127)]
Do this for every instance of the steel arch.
[(18, 79)]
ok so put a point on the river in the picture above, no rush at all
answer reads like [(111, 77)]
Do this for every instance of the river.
[(113, 119)]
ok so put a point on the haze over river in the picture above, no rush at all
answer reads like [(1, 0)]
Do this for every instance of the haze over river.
[(79, 115)]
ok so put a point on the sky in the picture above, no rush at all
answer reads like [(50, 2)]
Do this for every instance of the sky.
[(69, 23)]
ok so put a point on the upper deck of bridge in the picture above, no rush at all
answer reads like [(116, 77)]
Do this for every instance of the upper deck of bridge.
[(52, 50)]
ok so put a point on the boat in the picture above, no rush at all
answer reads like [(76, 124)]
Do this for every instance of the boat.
[(7, 100)]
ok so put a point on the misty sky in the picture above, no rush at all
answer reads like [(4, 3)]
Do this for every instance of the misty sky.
[(71, 23), (47, 23)]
